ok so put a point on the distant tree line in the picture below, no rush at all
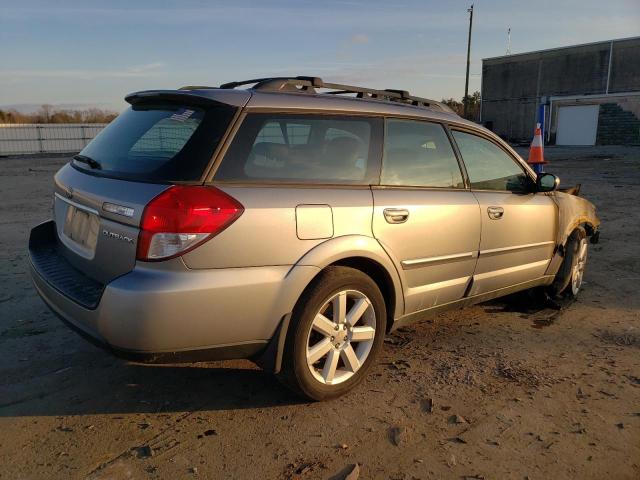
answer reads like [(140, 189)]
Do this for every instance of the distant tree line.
[(473, 112), (49, 114)]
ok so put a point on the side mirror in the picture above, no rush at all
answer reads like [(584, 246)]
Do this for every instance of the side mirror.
[(547, 182)]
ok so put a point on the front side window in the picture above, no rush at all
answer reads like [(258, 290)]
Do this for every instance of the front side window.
[(488, 166), (419, 154), (303, 149)]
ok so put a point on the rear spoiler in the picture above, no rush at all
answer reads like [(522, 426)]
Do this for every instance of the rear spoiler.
[(205, 98)]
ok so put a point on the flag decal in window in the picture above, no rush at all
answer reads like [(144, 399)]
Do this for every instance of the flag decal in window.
[(183, 115)]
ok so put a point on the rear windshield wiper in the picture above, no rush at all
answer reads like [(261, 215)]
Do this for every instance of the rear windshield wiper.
[(88, 160)]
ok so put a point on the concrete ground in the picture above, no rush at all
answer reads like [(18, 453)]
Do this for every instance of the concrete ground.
[(499, 390)]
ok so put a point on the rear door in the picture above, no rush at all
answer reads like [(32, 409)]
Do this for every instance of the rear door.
[(424, 216), (518, 226)]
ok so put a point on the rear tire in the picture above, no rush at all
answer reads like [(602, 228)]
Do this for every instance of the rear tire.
[(336, 332)]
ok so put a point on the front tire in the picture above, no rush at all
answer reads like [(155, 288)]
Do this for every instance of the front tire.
[(577, 267), (570, 276), (337, 329)]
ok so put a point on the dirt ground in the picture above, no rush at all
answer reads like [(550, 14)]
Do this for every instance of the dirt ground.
[(498, 391)]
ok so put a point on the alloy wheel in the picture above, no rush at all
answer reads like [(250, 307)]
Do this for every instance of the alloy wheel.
[(341, 337), (578, 268)]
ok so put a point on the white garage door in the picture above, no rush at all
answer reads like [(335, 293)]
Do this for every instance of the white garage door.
[(577, 125)]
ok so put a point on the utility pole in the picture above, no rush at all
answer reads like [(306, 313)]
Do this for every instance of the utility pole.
[(466, 81)]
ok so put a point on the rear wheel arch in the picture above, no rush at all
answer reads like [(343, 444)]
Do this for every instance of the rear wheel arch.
[(293, 369), (374, 268), (380, 276), (363, 253)]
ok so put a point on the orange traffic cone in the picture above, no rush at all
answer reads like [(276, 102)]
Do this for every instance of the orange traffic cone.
[(536, 151)]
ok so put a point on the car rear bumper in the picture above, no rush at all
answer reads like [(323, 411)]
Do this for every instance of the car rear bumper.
[(165, 312)]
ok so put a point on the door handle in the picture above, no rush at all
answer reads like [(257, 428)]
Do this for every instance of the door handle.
[(495, 213), (396, 215)]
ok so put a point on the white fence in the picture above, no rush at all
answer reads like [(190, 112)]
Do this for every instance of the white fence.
[(46, 137)]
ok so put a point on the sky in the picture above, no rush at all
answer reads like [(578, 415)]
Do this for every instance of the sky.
[(77, 54)]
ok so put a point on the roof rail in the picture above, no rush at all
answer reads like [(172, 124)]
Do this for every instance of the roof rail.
[(310, 84)]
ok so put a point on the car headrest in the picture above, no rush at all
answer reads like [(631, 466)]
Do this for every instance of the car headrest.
[(343, 147), (270, 150)]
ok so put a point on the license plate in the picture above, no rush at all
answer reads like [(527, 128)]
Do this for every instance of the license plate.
[(81, 227)]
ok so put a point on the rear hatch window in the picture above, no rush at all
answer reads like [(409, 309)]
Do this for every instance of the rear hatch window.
[(157, 142)]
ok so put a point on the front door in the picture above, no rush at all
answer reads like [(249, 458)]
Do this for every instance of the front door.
[(518, 227), (423, 215)]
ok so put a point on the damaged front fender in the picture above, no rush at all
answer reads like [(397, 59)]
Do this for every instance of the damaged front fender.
[(573, 212)]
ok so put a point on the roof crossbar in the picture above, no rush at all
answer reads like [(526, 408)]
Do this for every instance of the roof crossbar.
[(310, 84)]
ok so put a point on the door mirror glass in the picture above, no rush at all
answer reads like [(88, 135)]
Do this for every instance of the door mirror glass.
[(547, 182)]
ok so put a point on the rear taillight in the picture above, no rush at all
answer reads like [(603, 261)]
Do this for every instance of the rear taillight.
[(183, 217)]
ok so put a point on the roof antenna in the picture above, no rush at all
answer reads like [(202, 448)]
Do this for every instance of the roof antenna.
[(509, 41)]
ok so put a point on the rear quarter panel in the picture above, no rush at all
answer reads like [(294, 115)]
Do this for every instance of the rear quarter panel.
[(266, 233)]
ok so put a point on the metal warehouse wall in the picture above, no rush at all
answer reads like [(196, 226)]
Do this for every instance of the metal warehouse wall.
[(625, 68), (513, 86)]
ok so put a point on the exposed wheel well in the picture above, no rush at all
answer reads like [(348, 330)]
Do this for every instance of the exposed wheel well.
[(585, 227), (589, 229), (379, 275)]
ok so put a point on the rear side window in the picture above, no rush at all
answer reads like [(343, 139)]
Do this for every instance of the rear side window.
[(303, 149), (294, 134), (488, 166), (419, 154), (158, 142)]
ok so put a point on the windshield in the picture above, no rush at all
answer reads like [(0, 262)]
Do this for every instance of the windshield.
[(157, 143)]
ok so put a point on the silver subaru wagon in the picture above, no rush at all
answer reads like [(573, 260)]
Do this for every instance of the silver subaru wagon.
[(295, 223)]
